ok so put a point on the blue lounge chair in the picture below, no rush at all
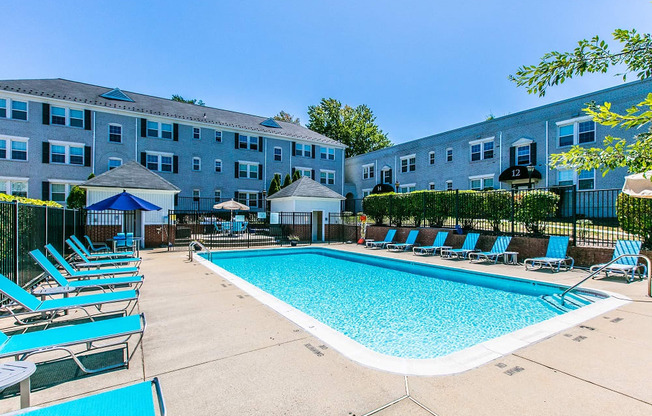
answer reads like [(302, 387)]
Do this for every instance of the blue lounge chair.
[(409, 242), (85, 262), (109, 282), (51, 308), (389, 237), (120, 241), (555, 257), (468, 247), (103, 255), (626, 266), (437, 245), (133, 400), (101, 247), (85, 274), (498, 249), (112, 332)]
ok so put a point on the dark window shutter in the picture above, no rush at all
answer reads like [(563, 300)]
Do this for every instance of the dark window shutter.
[(87, 155), (175, 132), (512, 156), (46, 113), (46, 191), (292, 174), (294, 148), (175, 164), (533, 153), (314, 150), (236, 194), (237, 170), (312, 175), (260, 143), (176, 200), (237, 141), (143, 158), (260, 171), (87, 119), (46, 152), (143, 127)]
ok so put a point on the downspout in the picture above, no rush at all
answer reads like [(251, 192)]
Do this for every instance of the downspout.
[(343, 167), (94, 147), (376, 171), (265, 166), (136, 142), (547, 155), (500, 158)]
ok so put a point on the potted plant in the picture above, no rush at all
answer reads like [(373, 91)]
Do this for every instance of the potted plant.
[(294, 239)]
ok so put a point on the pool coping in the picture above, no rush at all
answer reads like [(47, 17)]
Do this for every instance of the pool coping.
[(456, 362)]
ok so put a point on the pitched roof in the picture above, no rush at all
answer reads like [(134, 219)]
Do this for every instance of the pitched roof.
[(131, 175), (96, 95), (307, 188)]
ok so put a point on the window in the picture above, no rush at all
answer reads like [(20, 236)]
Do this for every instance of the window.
[(431, 186), (387, 175), (114, 162), (449, 154), (478, 183), (449, 185), (160, 162), (586, 179), (482, 149), (368, 171), (115, 133), (15, 187), (366, 193), (218, 166), (217, 194), (196, 194), (304, 171), (302, 150), (196, 164), (61, 116), (159, 130), (16, 110), (431, 158), (218, 136), (327, 177), (406, 189), (3, 110), (523, 155), (576, 131), (565, 177), (248, 198), (67, 153), (248, 170), (278, 154), (327, 153), (408, 163), (13, 148), (196, 133), (248, 142), (59, 192)]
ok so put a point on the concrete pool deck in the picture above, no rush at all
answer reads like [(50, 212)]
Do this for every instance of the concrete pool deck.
[(218, 351)]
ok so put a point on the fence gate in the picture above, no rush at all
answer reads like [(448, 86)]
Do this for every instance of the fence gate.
[(343, 227)]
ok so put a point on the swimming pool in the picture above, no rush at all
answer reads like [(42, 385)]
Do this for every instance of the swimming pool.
[(403, 311)]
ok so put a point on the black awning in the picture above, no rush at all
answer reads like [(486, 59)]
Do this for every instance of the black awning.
[(382, 188), (518, 173)]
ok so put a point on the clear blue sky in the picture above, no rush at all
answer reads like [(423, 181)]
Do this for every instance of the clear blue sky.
[(423, 67)]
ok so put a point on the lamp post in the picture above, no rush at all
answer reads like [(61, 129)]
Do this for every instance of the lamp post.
[(264, 194), (530, 169), (396, 185)]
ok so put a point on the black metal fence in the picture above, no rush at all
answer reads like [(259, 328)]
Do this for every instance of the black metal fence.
[(589, 217), (343, 227), (27, 227), (189, 203), (215, 229)]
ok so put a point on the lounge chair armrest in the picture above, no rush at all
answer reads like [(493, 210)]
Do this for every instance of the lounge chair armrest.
[(159, 396)]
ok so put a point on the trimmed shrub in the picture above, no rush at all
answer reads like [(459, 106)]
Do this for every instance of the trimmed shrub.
[(440, 205), (534, 208), (377, 207), (496, 207), (635, 216), (28, 201)]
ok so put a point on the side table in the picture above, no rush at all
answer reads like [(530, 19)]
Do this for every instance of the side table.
[(510, 257), (17, 372)]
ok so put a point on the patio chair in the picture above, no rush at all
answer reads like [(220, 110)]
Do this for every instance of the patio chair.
[(409, 242), (85, 274), (109, 282), (437, 245), (88, 263), (102, 255), (115, 331), (129, 241), (120, 241), (498, 249), (96, 247), (555, 257), (135, 399), (389, 237), (468, 247), (50, 308), (626, 266)]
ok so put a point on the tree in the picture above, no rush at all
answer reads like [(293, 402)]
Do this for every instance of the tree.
[(354, 127), (296, 176), (287, 117), (594, 56), (275, 185), (77, 196), (194, 101), (287, 181)]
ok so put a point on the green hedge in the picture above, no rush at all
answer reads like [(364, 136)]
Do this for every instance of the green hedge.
[(635, 216)]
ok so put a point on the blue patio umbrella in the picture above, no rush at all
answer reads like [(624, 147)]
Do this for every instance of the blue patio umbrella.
[(123, 202)]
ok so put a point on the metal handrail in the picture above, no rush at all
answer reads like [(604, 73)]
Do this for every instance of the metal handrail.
[(191, 250), (604, 266)]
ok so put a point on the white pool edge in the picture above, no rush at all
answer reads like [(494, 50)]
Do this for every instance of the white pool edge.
[(453, 363)]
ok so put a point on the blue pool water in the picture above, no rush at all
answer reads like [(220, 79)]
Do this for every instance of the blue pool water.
[(394, 307)]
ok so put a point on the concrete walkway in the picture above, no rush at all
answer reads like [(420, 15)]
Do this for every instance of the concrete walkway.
[(218, 351)]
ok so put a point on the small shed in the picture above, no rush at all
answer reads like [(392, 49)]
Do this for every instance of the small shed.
[(143, 183), (306, 195)]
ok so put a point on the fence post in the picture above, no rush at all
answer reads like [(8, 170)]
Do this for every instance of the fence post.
[(15, 230), (423, 205), (63, 231), (574, 208), (513, 209), (46, 225), (457, 207)]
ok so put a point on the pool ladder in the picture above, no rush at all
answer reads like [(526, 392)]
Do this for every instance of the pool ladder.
[(191, 250)]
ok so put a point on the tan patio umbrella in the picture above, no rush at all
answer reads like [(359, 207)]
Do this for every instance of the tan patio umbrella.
[(638, 185), (231, 206)]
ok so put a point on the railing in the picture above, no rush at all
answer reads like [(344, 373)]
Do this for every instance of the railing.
[(604, 266), (191, 250)]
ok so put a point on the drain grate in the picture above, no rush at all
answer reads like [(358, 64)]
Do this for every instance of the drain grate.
[(616, 320), (579, 338), (514, 370), (314, 350), (501, 365), (590, 328)]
